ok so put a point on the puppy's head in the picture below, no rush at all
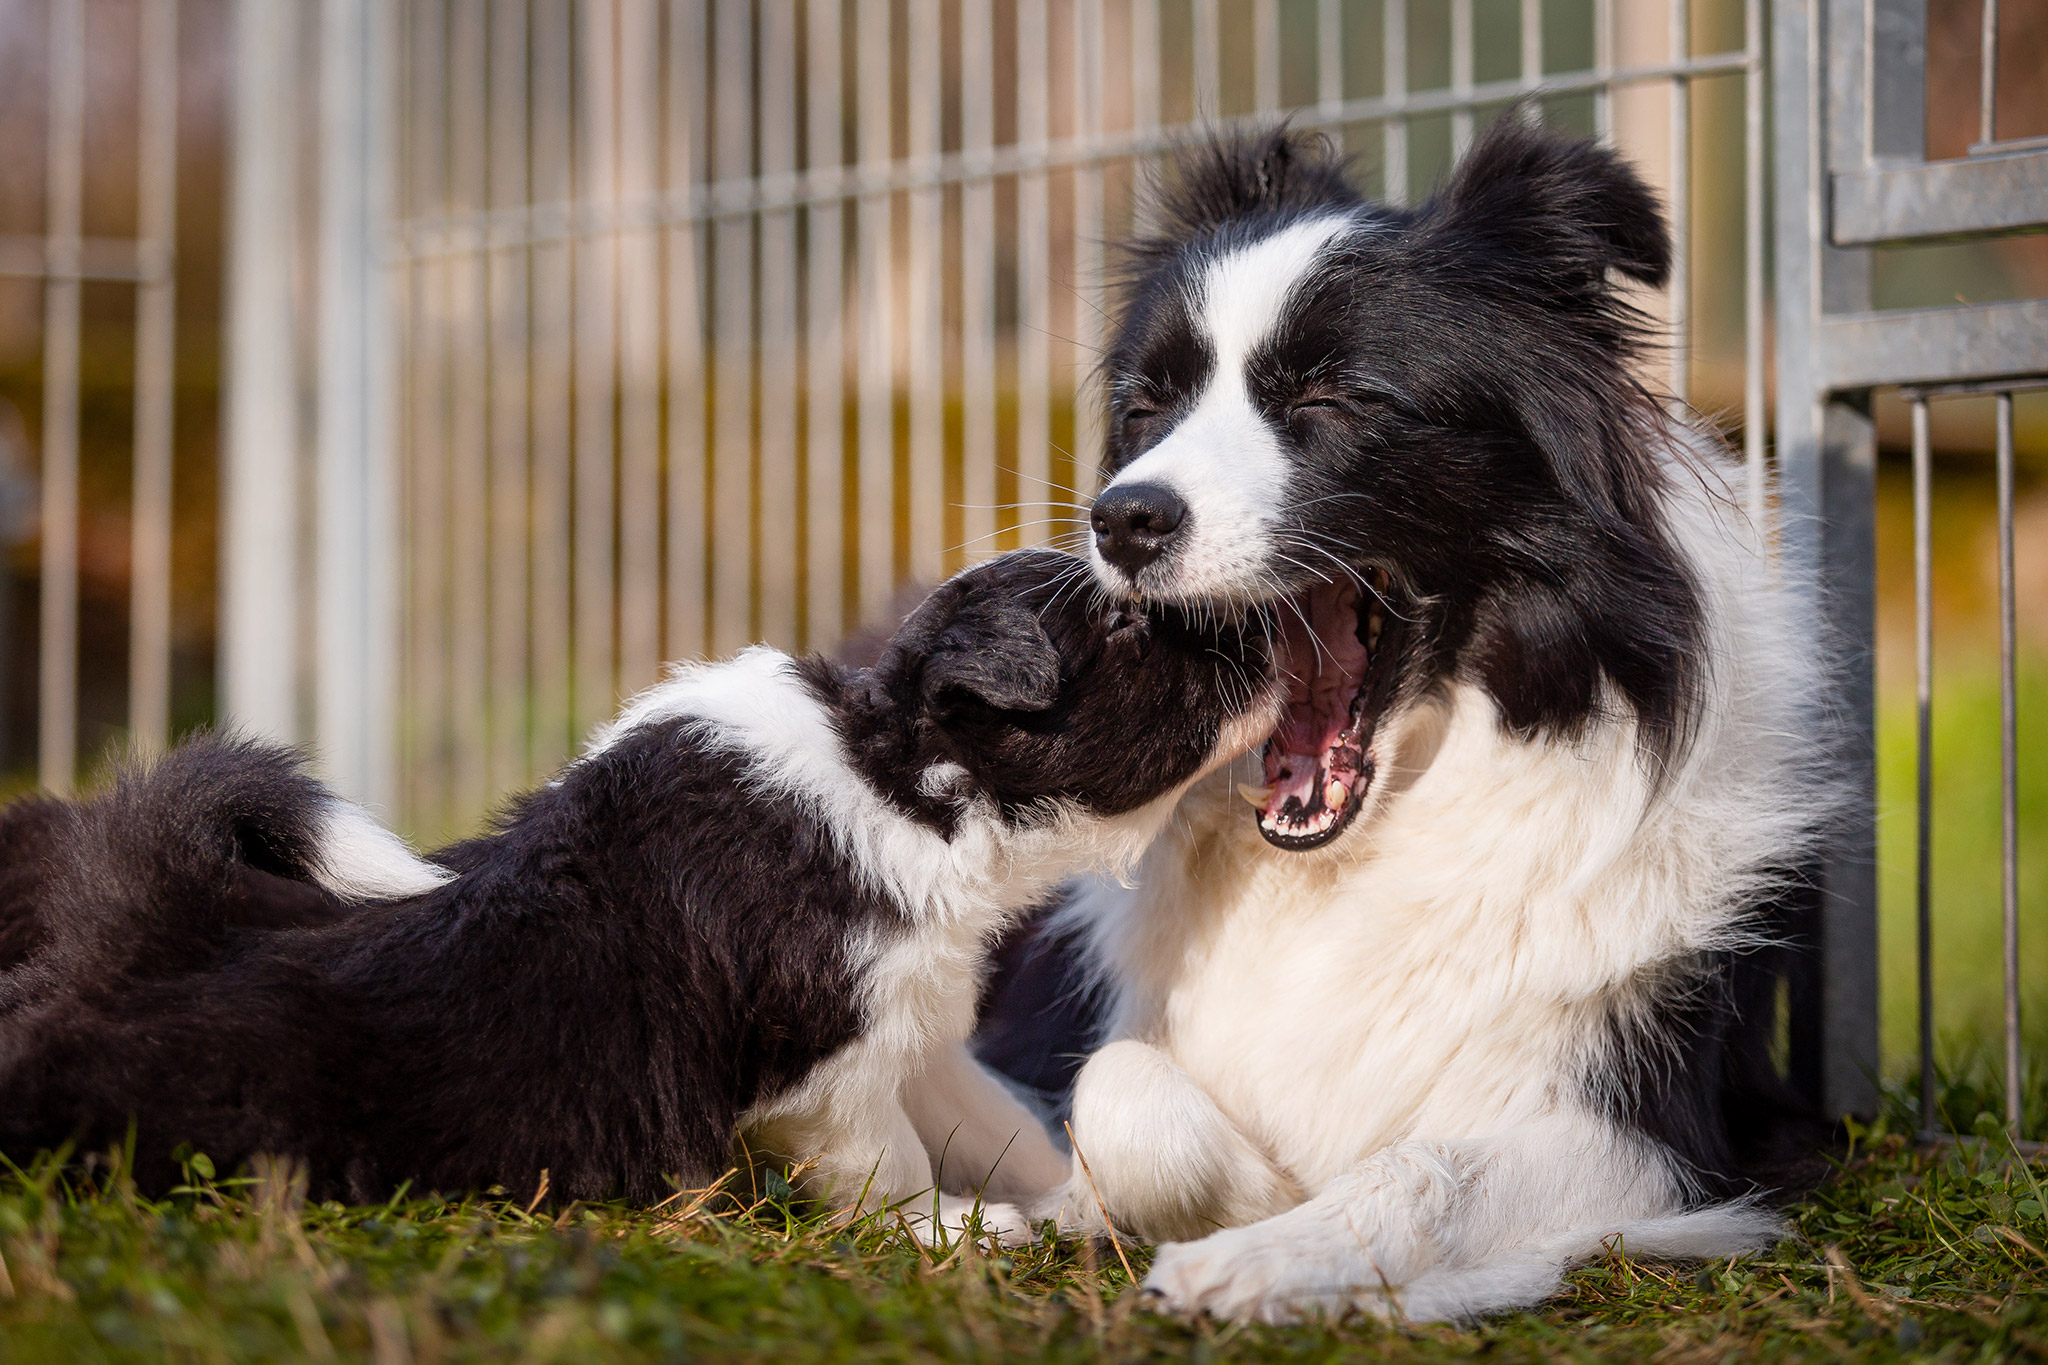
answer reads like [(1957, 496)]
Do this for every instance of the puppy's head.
[(1020, 685)]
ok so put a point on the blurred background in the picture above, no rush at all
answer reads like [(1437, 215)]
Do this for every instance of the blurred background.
[(426, 372)]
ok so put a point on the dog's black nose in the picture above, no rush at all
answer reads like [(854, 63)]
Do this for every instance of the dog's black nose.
[(1135, 523)]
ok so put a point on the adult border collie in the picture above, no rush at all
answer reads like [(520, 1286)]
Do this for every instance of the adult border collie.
[(759, 901), (1456, 1002)]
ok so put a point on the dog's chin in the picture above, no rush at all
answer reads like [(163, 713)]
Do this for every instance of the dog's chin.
[(1318, 756)]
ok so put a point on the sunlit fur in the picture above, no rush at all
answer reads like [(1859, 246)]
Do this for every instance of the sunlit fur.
[(1488, 1030), (758, 906)]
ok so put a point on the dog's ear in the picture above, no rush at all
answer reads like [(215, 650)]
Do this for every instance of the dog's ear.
[(1226, 179), (996, 651), (979, 644), (1574, 208)]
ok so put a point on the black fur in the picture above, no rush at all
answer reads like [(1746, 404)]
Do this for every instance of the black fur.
[(1454, 388), (636, 953)]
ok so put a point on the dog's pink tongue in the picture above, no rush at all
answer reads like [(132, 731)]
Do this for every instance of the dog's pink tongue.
[(1325, 663)]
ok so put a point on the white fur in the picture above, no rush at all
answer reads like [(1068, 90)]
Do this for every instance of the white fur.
[(1222, 458), (1400, 1025), (359, 859), (868, 1124)]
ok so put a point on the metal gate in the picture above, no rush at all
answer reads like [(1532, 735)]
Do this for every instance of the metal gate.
[(1852, 174)]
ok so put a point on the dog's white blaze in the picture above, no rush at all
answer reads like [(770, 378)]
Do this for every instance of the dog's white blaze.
[(359, 859), (1223, 459)]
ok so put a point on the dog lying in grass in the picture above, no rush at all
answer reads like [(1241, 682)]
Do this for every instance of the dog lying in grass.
[(758, 904)]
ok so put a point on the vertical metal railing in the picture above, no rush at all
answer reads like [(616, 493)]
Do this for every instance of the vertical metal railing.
[(1918, 399), (1854, 174), (65, 170), (867, 243)]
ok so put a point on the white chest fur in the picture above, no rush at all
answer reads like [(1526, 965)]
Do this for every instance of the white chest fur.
[(1445, 970)]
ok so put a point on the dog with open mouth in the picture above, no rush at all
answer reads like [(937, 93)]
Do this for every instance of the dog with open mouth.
[(1476, 985), (758, 904)]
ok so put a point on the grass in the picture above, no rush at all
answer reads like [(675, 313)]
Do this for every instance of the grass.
[(1938, 1254)]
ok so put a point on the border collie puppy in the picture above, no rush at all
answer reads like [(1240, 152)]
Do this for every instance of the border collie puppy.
[(1457, 1001), (757, 904)]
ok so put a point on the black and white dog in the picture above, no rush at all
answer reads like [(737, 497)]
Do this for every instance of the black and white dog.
[(1455, 1003), (759, 903)]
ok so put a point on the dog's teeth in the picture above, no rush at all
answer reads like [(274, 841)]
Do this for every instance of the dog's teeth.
[(1373, 622), (1257, 796), (1335, 795)]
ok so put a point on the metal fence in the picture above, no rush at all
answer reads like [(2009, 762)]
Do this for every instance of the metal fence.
[(65, 260), (616, 331), (719, 321)]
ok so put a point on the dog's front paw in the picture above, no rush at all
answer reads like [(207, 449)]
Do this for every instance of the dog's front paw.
[(958, 1215), (1258, 1273)]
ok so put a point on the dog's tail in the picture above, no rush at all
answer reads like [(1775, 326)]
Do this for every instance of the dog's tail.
[(147, 878)]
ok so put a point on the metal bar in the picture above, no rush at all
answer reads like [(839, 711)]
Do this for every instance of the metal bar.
[(1330, 54), (1754, 301), (1932, 345), (639, 256), (1461, 75), (594, 682), (1034, 326), (1087, 274), (149, 612), (925, 323), (1987, 75), (1603, 68), (358, 552), (732, 335), (1394, 91), (554, 302), (1679, 205), (565, 219), (1923, 656), (57, 700), (1894, 65), (426, 503), (259, 543), (2009, 144), (2002, 384), (825, 373), (978, 285), (1986, 194), (1265, 55), (1208, 61), (1825, 462), (1144, 65), (1145, 73), (2009, 761), (509, 473), (777, 456), (467, 325), (875, 492), (687, 609), (120, 260), (1531, 36)]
